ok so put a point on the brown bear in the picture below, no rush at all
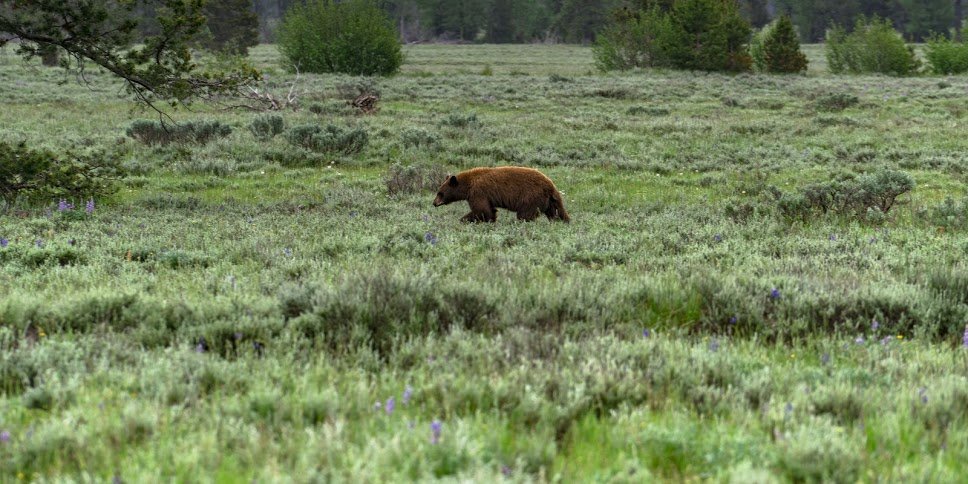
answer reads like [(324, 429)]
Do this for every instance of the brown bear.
[(523, 190)]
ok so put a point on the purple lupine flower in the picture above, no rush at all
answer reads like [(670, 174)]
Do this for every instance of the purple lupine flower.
[(506, 471), (353, 213), (39, 243), (885, 340), (64, 206), (5, 436), (718, 238), (431, 238), (964, 337), (287, 252), (646, 333), (72, 242), (733, 319), (391, 404), (714, 345), (407, 394), (787, 410), (435, 428), (825, 358), (89, 208), (4, 243), (859, 340), (923, 393), (832, 238), (875, 325), (775, 294)]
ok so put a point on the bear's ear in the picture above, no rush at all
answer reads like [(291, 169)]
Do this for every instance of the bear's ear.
[(453, 181)]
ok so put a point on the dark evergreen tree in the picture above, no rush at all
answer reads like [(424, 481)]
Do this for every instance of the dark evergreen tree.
[(781, 48), (233, 26)]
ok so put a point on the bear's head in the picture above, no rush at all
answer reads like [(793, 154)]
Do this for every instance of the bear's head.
[(451, 191)]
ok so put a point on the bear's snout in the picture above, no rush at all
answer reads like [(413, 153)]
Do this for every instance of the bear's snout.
[(438, 201)]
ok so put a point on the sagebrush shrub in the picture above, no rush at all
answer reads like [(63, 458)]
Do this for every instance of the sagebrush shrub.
[(776, 48), (872, 47), (419, 138), (461, 120), (43, 174), (413, 178), (353, 37), (946, 56), (157, 133), (330, 139), (835, 102), (267, 126), (868, 197)]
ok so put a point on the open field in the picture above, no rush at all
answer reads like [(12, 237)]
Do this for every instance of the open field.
[(243, 310)]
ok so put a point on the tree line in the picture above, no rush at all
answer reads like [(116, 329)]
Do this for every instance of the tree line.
[(580, 21)]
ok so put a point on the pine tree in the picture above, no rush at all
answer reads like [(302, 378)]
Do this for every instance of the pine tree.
[(233, 26), (781, 48)]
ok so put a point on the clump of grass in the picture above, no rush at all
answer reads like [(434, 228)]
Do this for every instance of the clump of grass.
[(648, 110)]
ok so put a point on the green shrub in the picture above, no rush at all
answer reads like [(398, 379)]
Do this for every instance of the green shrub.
[(705, 35), (158, 133), (950, 214), (873, 47), (867, 197), (417, 138), (43, 174), (946, 56), (461, 120), (835, 102), (331, 139), (776, 48), (353, 37), (267, 126)]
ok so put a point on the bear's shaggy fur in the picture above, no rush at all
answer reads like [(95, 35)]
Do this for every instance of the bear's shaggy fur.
[(523, 190)]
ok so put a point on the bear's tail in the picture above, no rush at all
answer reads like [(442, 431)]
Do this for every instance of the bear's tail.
[(557, 209)]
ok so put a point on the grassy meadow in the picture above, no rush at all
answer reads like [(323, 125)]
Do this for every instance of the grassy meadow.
[(256, 311)]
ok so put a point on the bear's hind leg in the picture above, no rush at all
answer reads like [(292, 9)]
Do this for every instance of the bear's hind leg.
[(528, 214)]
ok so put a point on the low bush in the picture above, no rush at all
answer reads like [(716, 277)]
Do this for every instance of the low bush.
[(267, 126), (158, 133), (419, 138), (835, 102), (461, 120), (413, 178), (867, 197), (873, 47), (946, 56), (328, 139)]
